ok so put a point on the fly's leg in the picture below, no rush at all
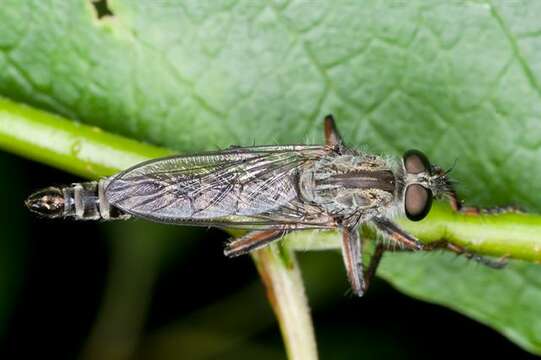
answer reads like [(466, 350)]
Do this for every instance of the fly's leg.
[(410, 243), (353, 259), (352, 254), (459, 250), (252, 241), (398, 235), (374, 263), (458, 206), (332, 136)]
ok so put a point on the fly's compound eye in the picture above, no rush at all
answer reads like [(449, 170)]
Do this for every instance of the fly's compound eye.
[(418, 201), (416, 162)]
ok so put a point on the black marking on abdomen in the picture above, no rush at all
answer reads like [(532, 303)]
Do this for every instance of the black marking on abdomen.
[(363, 179)]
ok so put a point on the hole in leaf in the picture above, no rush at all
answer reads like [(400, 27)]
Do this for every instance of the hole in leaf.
[(101, 7)]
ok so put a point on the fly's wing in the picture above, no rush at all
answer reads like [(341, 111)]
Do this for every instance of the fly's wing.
[(244, 187)]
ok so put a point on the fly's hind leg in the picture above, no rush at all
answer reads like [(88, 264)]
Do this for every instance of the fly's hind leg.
[(252, 241), (352, 254), (375, 259)]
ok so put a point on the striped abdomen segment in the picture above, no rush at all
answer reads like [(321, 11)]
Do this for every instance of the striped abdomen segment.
[(81, 201)]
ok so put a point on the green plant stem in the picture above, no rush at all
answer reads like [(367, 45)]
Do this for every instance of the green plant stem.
[(513, 235), (281, 276), (80, 149)]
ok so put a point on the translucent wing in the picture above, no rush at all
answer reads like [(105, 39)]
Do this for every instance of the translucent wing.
[(242, 187)]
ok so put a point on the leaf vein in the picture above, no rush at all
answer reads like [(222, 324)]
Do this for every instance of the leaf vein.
[(525, 66)]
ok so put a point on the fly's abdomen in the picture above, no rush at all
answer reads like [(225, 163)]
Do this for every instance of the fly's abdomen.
[(81, 201)]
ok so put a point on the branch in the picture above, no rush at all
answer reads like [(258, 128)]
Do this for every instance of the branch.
[(80, 149), (281, 275), (512, 235)]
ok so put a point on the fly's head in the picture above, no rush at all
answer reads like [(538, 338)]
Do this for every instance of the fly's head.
[(422, 182)]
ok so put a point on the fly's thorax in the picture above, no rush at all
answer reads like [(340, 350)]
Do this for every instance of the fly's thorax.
[(345, 184)]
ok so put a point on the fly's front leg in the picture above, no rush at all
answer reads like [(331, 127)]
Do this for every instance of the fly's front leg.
[(410, 243), (460, 250), (252, 241), (458, 206), (352, 254)]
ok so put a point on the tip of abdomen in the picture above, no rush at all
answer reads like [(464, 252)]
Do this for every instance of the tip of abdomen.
[(48, 202)]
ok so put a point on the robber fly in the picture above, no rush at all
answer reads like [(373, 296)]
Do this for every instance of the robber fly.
[(270, 190)]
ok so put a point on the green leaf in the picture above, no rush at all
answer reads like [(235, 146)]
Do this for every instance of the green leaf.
[(506, 300), (459, 80)]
